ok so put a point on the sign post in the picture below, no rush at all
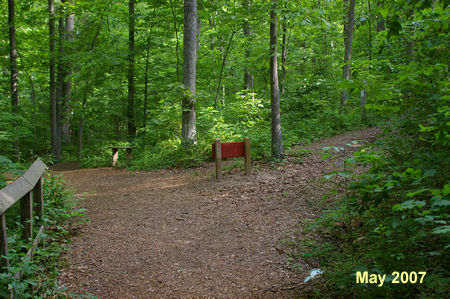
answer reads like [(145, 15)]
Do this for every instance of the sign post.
[(231, 150), (218, 151)]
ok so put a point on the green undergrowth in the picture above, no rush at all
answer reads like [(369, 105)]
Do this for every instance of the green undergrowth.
[(392, 217), (158, 145), (61, 213)]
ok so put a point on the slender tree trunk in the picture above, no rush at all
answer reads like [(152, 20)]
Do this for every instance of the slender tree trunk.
[(53, 108), (13, 57), (324, 60), (363, 102), (188, 118), (67, 88), (370, 31), (348, 38), (147, 56), (277, 142), (223, 95), (33, 100), (13, 69), (380, 22), (284, 52), (248, 77), (178, 43), (130, 107), (411, 43), (224, 59), (60, 78), (80, 129)]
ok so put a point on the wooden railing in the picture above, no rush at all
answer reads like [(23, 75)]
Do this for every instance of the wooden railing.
[(27, 188)]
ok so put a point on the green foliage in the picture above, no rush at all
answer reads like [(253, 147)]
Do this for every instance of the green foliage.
[(60, 214), (403, 69), (394, 216), (7, 166)]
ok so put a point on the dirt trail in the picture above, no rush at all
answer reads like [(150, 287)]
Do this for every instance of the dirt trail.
[(180, 233)]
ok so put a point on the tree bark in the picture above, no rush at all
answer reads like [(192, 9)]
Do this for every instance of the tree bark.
[(277, 143), (13, 69), (284, 55), (188, 118), (147, 57), (13, 57), (53, 108), (370, 30), (348, 38), (178, 43), (60, 77), (248, 77), (67, 88), (80, 129), (130, 106)]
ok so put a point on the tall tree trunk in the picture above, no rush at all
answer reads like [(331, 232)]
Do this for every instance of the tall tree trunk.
[(188, 119), (348, 38), (130, 107), (411, 43), (13, 69), (60, 76), (80, 129), (13, 58), (248, 77), (370, 30), (284, 53), (147, 57), (324, 60), (224, 59), (53, 109), (67, 88), (178, 43), (277, 142), (380, 22)]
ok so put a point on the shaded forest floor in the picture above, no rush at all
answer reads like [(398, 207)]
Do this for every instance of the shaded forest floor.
[(180, 233)]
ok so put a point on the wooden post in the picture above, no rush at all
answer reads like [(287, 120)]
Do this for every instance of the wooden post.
[(3, 243), (26, 215), (38, 198), (218, 148), (128, 154), (115, 155), (247, 157)]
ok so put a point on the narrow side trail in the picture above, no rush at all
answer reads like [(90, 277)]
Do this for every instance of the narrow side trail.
[(180, 233)]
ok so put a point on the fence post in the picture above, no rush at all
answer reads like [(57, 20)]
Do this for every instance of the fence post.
[(247, 157), (115, 155), (38, 198), (3, 242), (218, 148), (26, 215)]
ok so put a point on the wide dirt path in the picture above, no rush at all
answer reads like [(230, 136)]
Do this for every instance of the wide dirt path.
[(180, 233)]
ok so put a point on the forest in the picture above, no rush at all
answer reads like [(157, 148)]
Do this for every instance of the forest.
[(169, 77)]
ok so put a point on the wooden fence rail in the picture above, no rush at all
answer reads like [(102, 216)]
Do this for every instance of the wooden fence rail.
[(27, 188)]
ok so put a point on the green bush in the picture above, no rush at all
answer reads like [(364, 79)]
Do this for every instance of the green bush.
[(40, 274)]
